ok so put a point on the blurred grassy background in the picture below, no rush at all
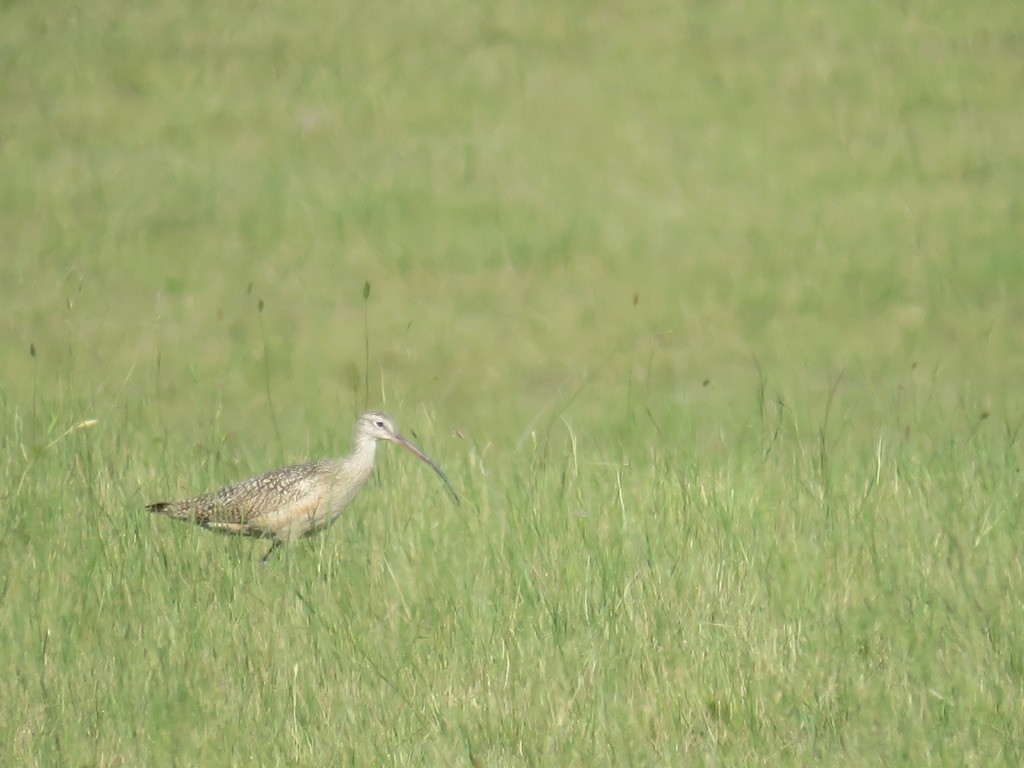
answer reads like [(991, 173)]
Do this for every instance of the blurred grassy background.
[(819, 191), (656, 220)]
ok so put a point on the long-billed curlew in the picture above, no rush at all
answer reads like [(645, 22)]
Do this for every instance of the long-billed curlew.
[(290, 503)]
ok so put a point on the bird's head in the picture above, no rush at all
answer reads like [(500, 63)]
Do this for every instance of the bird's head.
[(379, 426)]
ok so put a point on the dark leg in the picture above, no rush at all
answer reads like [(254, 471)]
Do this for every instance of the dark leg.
[(270, 551)]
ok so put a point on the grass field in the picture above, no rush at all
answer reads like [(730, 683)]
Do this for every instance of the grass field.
[(713, 312)]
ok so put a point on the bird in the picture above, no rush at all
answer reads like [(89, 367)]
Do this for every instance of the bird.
[(294, 502)]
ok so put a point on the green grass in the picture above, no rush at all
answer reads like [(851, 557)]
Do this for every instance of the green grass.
[(712, 312)]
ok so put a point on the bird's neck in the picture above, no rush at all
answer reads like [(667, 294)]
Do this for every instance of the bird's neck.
[(349, 474), (364, 450), (359, 464)]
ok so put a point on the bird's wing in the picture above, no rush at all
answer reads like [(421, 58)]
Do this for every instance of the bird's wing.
[(236, 507)]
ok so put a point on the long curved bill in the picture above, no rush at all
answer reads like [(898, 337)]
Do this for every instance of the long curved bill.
[(396, 438)]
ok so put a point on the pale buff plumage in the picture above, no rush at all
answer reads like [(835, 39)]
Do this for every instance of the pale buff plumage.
[(293, 502)]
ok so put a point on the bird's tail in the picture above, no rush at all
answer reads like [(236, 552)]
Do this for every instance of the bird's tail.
[(168, 508), (197, 510)]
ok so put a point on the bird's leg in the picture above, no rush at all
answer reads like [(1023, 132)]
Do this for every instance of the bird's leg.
[(275, 545)]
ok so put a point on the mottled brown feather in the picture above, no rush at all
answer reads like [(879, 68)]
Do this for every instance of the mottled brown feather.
[(238, 508)]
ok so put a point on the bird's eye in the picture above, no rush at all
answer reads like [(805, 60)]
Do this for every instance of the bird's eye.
[(379, 424)]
